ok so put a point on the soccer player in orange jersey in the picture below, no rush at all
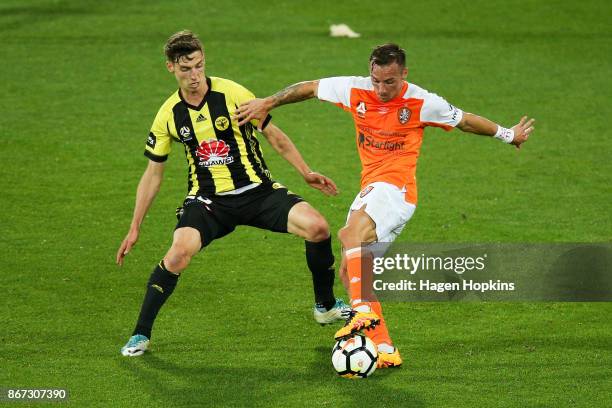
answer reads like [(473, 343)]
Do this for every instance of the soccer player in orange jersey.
[(390, 116)]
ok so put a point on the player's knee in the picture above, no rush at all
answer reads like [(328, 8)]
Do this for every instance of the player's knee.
[(177, 259), (317, 230)]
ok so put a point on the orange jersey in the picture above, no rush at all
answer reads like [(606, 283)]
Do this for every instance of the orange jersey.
[(389, 134)]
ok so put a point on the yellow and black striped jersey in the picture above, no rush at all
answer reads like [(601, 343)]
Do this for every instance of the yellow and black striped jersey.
[(221, 156)]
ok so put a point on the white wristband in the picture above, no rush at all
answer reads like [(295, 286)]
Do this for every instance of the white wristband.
[(503, 134)]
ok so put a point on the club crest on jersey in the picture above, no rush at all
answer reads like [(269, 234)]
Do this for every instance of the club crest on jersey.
[(403, 115), (361, 109), (365, 191), (185, 133), (213, 152), (222, 123)]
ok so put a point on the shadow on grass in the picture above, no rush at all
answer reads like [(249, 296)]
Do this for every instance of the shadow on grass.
[(511, 341), (213, 383)]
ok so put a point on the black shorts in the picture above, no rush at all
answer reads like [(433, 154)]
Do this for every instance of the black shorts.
[(266, 206)]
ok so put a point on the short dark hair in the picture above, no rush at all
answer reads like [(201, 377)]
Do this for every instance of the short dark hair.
[(387, 54), (182, 44)]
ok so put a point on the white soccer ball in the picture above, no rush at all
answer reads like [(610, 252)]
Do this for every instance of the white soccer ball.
[(355, 357)]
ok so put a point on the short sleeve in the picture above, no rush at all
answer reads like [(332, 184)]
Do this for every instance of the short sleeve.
[(336, 90), (436, 111), (159, 141)]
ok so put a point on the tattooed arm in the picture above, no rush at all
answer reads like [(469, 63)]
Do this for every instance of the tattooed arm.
[(258, 108), (293, 93)]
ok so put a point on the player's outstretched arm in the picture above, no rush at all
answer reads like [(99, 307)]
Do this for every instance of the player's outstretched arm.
[(517, 135), (285, 147), (145, 194), (258, 109)]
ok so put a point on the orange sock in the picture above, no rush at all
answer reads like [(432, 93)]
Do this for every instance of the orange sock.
[(362, 297), (379, 334), (353, 269)]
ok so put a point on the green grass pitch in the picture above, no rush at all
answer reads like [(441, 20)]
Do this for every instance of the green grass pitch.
[(81, 83)]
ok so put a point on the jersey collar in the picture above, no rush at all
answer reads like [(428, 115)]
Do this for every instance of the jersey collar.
[(201, 105), (401, 94)]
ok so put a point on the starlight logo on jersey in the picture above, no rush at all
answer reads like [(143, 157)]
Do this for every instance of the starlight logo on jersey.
[(214, 152), (364, 141)]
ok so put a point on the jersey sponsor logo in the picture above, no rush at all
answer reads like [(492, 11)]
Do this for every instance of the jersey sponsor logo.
[(365, 191), (151, 140), (361, 109), (201, 118), (213, 152), (185, 133), (222, 123), (403, 115), (370, 142)]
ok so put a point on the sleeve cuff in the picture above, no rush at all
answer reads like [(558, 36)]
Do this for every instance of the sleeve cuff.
[(266, 121), (458, 117), (155, 158)]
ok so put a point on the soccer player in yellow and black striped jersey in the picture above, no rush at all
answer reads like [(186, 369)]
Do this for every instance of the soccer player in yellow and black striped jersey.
[(229, 184)]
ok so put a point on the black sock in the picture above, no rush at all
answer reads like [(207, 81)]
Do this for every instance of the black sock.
[(159, 288), (320, 260)]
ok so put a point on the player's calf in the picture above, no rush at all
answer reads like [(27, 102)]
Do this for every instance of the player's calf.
[(320, 261)]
